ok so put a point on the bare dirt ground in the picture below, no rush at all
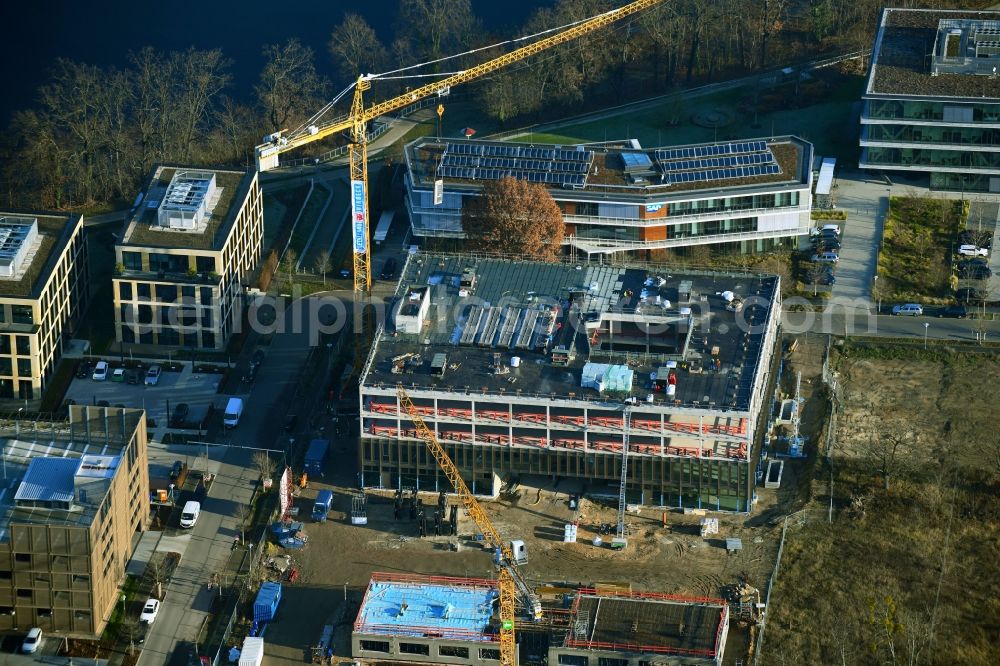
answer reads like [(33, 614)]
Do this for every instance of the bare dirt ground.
[(905, 571), (674, 559)]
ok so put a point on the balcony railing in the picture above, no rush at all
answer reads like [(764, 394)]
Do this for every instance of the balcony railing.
[(615, 245)]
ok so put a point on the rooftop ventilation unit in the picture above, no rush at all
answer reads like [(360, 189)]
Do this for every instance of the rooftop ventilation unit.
[(185, 204)]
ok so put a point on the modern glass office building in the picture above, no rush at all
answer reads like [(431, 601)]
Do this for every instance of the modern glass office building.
[(749, 195), (932, 99)]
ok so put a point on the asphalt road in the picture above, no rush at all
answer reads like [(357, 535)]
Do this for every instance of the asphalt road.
[(889, 326)]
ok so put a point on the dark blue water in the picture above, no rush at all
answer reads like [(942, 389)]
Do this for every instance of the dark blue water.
[(102, 33)]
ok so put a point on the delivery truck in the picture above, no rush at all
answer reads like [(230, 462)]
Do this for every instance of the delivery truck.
[(316, 457)]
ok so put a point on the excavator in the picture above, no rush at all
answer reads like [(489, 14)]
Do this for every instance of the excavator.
[(511, 582), (355, 123)]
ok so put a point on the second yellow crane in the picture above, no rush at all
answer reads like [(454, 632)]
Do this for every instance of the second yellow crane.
[(511, 582)]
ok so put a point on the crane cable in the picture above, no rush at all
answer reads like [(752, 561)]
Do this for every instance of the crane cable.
[(385, 76), (486, 48)]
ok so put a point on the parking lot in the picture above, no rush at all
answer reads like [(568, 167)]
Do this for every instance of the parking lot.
[(197, 390)]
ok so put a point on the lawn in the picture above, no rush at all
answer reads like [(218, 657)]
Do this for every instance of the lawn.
[(822, 112), (905, 572), (914, 263)]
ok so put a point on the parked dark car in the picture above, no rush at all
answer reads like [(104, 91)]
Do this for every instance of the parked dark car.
[(388, 269), (176, 470), (972, 270), (971, 295), (257, 358), (827, 245), (826, 280), (132, 376), (955, 311), (180, 415), (84, 369)]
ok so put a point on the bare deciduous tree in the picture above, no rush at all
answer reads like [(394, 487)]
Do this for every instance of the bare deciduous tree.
[(323, 264), (290, 261), (436, 27), (242, 513), (514, 217), (893, 448), (356, 48), (263, 464), (290, 89)]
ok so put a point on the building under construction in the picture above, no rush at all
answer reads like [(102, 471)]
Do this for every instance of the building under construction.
[(428, 619), (632, 629), (529, 368), (440, 620)]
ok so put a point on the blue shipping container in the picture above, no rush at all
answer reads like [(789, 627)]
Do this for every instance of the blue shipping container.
[(316, 456), (265, 606)]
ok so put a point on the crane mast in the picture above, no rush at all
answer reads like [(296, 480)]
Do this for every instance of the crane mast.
[(511, 581), (620, 540)]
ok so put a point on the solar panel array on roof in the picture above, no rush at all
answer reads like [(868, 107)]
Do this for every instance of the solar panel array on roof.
[(715, 162), (712, 150), (495, 161), (745, 159), (721, 174)]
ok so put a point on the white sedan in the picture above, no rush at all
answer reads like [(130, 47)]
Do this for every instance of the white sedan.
[(149, 611)]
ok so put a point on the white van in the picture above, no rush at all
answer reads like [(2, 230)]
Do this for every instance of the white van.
[(234, 410), (190, 513)]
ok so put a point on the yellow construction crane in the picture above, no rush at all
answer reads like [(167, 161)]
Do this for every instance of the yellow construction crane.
[(510, 580), (356, 122)]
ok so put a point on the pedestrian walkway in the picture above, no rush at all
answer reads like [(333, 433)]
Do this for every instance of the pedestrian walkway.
[(865, 198), (866, 202)]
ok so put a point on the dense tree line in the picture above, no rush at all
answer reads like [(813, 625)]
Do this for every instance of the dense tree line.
[(96, 132)]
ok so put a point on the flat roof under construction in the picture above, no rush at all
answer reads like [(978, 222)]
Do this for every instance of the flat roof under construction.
[(598, 311), (427, 607), (647, 623)]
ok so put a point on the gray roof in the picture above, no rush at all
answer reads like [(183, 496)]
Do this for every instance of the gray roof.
[(597, 290), (49, 479)]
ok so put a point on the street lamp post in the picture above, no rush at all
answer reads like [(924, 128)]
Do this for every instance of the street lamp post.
[(878, 298), (123, 609), (926, 326)]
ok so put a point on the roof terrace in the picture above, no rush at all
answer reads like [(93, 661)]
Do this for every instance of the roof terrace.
[(186, 208), (31, 244), (611, 168), (936, 53)]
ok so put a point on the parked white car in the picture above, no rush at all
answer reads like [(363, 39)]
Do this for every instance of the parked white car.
[(972, 251), (910, 309), (149, 611), (32, 641), (100, 371), (153, 375)]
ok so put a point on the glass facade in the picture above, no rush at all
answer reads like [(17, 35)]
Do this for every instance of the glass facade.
[(930, 157), (959, 136), (890, 109), (723, 204), (972, 136)]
